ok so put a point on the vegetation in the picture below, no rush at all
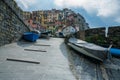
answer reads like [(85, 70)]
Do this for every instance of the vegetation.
[(97, 39), (103, 41)]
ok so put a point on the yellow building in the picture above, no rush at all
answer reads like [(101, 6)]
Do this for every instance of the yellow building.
[(26, 15), (40, 17), (46, 18)]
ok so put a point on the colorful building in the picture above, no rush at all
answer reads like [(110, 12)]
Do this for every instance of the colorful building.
[(27, 15), (55, 19)]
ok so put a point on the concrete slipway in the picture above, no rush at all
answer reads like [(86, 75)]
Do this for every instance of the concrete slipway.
[(57, 62)]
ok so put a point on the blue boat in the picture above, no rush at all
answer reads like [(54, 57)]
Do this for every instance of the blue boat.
[(115, 52), (30, 36)]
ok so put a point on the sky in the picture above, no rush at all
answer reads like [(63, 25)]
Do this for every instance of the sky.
[(97, 13)]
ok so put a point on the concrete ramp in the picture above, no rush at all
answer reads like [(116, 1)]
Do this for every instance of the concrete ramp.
[(55, 61)]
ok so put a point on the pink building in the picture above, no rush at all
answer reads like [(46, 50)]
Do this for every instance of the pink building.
[(34, 25)]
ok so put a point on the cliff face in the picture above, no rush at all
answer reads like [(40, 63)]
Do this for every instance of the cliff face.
[(11, 23)]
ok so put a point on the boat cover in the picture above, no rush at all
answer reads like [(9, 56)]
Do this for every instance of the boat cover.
[(85, 44)]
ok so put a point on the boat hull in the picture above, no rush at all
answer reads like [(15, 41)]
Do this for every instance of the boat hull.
[(99, 55), (29, 36), (88, 49)]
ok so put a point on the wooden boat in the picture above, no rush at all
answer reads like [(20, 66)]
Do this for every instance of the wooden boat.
[(88, 49), (115, 52), (31, 36)]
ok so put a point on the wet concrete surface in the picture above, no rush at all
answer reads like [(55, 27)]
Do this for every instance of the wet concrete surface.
[(58, 62)]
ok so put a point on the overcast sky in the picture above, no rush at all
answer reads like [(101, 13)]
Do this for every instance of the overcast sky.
[(97, 13)]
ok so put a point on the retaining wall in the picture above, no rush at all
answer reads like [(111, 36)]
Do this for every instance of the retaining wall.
[(11, 24), (97, 36)]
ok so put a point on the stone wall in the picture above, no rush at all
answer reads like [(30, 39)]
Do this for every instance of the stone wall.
[(97, 36), (80, 35), (114, 31), (114, 35), (95, 31), (11, 24)]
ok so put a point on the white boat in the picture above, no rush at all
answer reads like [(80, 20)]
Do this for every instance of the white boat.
[(69, 30), (88, 49)]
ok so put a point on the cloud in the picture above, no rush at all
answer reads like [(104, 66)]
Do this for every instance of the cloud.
[(31, 5), (102, 8), (118, 20), (26, 3), (108, 8)]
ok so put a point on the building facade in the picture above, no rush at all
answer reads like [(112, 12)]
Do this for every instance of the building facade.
[(55, 20)]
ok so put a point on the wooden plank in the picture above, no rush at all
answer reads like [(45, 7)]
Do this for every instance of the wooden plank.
[(35, 50), (41, 45), (18, 60)]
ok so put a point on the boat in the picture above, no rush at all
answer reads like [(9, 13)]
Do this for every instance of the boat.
[(115, 52), (31, 36), (59, 34), (88, 49), (45, 32), (69, 30)]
